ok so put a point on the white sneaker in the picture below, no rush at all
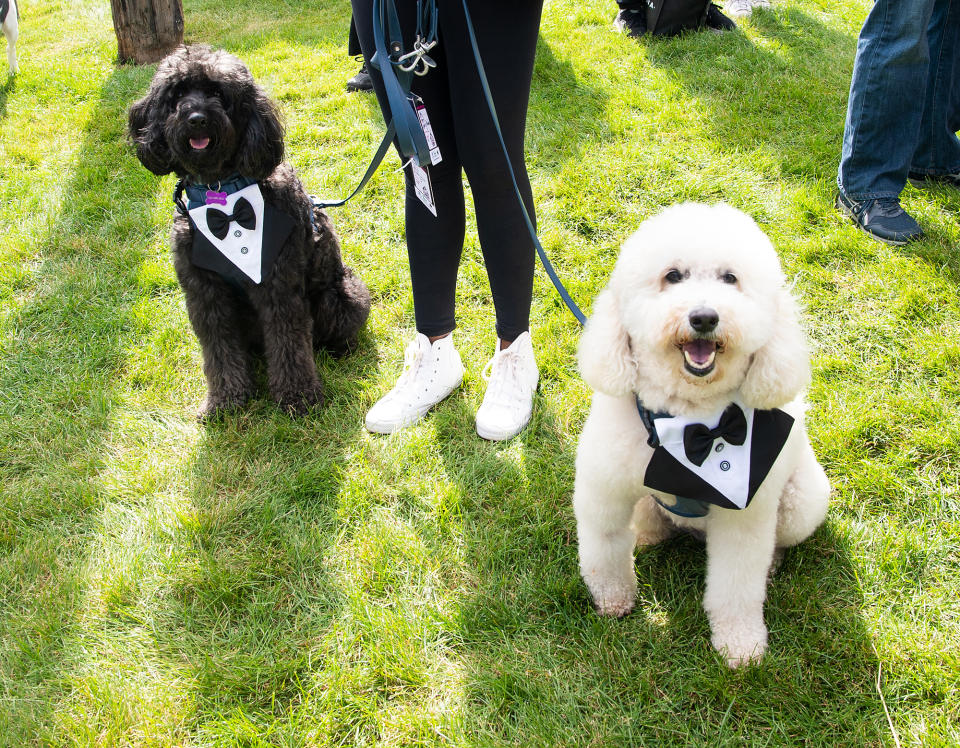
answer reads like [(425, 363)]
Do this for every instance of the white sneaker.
[(737, 8), (512, 380), (742, 8), (430, 373)]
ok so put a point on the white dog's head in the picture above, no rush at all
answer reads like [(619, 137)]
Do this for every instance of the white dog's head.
[(697, 308)]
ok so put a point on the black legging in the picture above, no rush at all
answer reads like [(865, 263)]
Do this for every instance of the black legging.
[(506, 33)]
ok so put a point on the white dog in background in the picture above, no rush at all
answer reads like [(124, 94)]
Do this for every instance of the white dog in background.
[(696, 326), (10, 22)]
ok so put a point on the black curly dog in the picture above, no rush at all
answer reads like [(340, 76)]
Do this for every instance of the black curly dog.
[(206, 119)]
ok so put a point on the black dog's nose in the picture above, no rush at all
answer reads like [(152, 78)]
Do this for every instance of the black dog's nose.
[(196, 119), (703, 319)]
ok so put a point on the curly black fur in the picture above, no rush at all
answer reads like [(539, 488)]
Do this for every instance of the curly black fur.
[(206, 119)]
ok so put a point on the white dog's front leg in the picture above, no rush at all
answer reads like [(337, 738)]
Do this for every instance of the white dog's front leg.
[(603, 509), (739, 553)]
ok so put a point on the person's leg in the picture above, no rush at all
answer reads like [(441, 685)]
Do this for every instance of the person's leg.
[(353, 41), (432, 366), (938, 149), (882, 127), (361, 81), (883, 122), (434, 243), (507, 51), (506, 36)]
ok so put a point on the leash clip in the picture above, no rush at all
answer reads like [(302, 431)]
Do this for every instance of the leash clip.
[(422, 62)]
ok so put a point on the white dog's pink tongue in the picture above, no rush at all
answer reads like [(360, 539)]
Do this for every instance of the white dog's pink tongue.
[(199, 143), (699, 351)]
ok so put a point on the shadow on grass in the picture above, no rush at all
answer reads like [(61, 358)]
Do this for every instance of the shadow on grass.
[(239, 26), (8, 88), (249, 601), (563, 108), (540, 667), (69, 326), (68, 322), (797, 115)]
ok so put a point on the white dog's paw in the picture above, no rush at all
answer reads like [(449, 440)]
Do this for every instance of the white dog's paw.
[(740, 646), (613, 598)]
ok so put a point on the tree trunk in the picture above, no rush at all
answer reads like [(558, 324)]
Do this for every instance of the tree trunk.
[(147, 30)]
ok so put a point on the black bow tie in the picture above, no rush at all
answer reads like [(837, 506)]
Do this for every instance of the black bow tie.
[(698, 439), (243, 214)]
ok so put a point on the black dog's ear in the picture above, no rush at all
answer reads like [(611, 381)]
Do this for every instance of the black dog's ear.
[(261, 146), (145, 130)]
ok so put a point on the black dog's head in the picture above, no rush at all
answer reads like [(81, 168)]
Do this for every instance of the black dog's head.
[(205, 117)]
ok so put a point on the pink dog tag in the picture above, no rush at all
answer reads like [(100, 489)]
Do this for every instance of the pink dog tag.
[(220, 198)]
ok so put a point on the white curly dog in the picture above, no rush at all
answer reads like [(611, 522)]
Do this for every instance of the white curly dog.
[(697, 335)]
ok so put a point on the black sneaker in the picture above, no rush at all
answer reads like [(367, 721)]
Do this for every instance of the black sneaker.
[(882, 218), (361, 81), (716, 21), (927, 180), (631, 22)]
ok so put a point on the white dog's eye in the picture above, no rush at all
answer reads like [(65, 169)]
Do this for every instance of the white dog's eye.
[(673, 276), (729, 278)]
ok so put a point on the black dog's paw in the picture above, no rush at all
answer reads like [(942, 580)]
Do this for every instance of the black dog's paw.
[(214, 408), (300, 402)]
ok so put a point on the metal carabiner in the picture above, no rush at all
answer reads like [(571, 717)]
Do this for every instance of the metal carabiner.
[(422, 62), (426, 62)]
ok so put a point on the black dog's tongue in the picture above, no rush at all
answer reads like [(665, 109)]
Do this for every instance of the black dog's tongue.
[(199, 143)]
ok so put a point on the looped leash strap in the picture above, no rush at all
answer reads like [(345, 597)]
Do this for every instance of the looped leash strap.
[(410, 138), (371, 170), (404, 122), (554, 278)]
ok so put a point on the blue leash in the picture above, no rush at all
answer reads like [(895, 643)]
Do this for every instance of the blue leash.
[(405, 123)]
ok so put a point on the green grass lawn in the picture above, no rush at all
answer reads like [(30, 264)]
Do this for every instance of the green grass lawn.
[(273, 581)]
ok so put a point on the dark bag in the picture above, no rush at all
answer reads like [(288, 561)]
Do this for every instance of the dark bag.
[(672, 17)]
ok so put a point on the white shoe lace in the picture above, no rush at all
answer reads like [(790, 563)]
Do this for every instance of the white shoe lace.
[(505, 385), (413, 356)]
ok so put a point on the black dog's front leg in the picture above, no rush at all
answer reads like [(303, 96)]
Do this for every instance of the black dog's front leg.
[(214, 313), (288, 345)]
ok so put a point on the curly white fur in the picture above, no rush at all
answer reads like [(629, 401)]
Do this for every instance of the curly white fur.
[(633, 345)]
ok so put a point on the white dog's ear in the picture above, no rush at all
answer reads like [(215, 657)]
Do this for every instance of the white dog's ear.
[(606, 361), (781, 368)]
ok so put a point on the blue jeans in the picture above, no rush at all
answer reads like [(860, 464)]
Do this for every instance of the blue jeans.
[(904, 107)]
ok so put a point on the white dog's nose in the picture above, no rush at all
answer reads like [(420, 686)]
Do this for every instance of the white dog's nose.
[(703, 319)]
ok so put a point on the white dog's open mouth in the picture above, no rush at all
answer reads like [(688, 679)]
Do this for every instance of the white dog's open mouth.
[(198, 144), (700, 356)]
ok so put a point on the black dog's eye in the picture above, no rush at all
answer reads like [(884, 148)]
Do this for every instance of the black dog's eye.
[(729, 278), (673, 276)]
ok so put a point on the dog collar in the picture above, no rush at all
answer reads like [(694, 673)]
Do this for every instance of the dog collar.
[(720, 461), (208, 194)]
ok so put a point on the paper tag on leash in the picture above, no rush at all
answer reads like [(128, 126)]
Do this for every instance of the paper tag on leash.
[(420, 108), (422, 187)]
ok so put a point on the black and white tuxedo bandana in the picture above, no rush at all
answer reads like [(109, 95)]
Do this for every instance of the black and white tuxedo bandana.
[(720, 460), (236, 233)]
